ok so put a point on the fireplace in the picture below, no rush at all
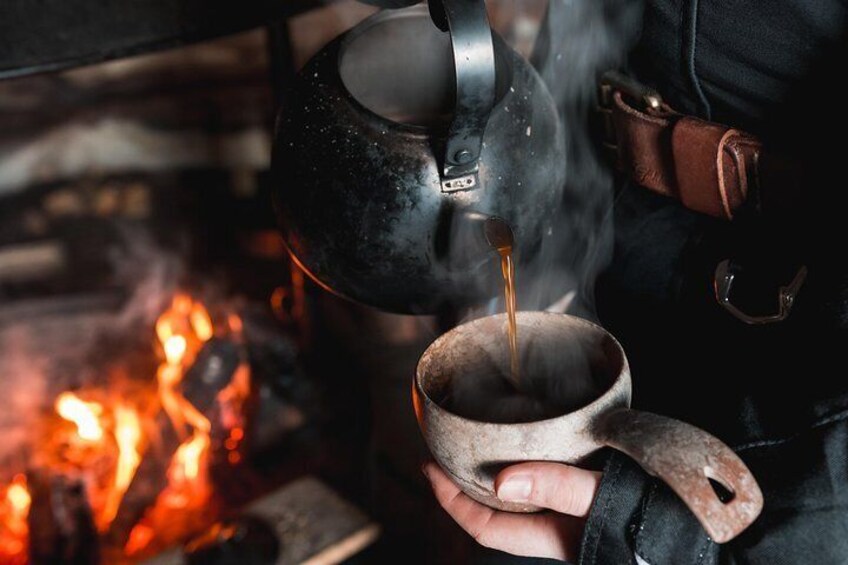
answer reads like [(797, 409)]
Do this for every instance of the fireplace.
[(156, 346)]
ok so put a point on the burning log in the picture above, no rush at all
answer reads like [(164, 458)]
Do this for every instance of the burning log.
[(61, 527), (149, 480), (212, 371)]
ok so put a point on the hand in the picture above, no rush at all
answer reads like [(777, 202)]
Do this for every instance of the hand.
[(568, 491)]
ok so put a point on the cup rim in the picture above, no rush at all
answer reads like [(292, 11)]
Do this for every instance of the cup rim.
[(621, 385)]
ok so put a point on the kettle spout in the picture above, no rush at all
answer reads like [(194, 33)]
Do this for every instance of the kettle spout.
[(498, 234), (489, 233)]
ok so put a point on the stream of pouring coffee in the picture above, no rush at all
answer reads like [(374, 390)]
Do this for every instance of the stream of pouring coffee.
[(500, 236), (508, 269)]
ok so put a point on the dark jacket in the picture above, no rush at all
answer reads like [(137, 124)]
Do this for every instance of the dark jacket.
[(777, 394)]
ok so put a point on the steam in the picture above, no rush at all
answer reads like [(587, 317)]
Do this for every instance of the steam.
[(578, 40)]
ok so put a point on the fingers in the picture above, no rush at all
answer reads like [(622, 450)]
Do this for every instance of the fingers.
[(562, 488), (535, 535)]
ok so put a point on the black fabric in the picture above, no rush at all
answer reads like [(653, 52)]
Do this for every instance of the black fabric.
[(49, 35), (778, 394)]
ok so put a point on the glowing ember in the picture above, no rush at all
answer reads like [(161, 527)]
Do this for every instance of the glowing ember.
[(128, 437), (84, 414), (232, 399), (14, 531), (235, 323)]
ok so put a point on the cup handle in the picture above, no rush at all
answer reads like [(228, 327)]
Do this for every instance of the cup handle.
[(704, 472), (474, 64)]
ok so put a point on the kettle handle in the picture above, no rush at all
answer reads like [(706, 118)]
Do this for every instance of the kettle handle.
[(474, 63)]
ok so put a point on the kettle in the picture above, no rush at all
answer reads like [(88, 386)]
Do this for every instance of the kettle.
[(396, 140)]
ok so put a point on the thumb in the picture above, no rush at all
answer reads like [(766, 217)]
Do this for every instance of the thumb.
[(563, 488)]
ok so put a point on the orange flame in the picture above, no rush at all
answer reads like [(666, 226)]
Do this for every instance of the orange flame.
[(140, 536), (201, 323), (84, 414), (128, 437), (14, 530), (182, 330), (187, 457), (175, 348)]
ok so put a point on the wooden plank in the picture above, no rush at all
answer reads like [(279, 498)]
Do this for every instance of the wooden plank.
[(314, 524)]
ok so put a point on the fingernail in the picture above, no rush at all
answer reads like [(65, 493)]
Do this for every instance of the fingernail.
[(516, 489)]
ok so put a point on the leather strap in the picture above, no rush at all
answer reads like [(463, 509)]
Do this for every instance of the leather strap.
[(711, 168)]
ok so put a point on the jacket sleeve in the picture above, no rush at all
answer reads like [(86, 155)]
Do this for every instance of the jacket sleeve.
[(637, 519)]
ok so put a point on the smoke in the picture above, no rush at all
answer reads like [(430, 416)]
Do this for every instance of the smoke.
[(53, 344)]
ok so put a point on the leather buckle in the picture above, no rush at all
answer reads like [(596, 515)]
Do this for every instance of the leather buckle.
[(723, 283)]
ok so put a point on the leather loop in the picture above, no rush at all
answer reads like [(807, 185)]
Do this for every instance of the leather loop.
[(711, 168)]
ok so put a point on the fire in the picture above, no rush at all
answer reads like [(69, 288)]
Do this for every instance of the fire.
[(187, 458), (14, 530), (175, 349), (110, 437), (18, 496), (84, 414), (182, 330), (200, 322), (128, 437), (140, 536)]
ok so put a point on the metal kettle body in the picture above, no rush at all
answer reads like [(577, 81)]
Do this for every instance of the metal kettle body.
[(395, 139)]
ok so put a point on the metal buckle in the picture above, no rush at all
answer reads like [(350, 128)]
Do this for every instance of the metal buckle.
[(616, 81), (723, 282)]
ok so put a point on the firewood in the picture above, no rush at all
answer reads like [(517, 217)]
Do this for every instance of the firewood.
[(211, 372), (60, 521), (149, 480)]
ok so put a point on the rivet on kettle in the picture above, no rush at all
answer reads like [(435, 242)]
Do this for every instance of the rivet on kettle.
[(463, 156)]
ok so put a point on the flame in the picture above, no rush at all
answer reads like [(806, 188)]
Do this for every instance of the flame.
[(175, 348), (18, 496), (128, 437), (181, 330), (187, 457), (201, 323), (14, 530), (140, 536), (84, 414), (181, 304)]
